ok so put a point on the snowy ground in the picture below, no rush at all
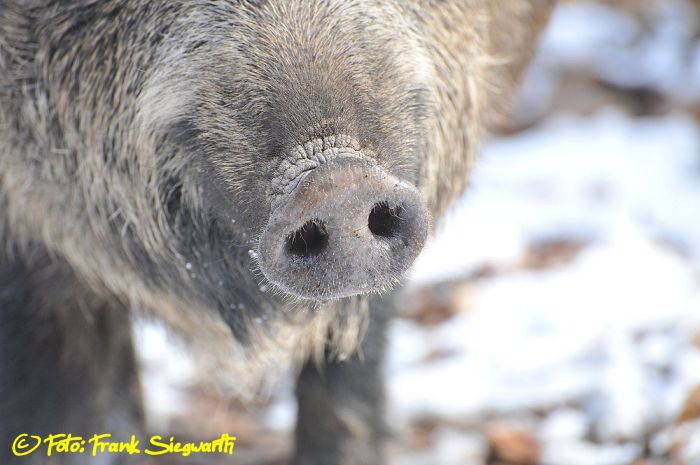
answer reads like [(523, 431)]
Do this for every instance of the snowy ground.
[(604, 345), (573, 313), (555, 317)]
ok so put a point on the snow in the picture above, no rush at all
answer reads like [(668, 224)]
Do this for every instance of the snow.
[(579, 177), (600, 331), (166, 373), (564, 425), (584, 453), (607, 42)]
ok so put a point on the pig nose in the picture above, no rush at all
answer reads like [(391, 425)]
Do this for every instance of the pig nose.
[(348, 228)]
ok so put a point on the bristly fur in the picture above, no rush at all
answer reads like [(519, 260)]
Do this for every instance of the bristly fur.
[(138, 139)]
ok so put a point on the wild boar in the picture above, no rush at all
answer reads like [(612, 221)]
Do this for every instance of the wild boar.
[(251, 173)]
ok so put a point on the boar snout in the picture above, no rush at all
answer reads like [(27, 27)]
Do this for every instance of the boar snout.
[(348, 228)]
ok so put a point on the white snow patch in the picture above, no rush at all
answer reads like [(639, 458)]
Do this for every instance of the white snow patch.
[(609, 333), (166, 372), (579, 178)]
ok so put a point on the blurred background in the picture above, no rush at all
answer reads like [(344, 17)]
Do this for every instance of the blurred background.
[(555, 317)]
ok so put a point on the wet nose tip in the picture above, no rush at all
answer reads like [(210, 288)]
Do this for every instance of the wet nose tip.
[(349, 228)]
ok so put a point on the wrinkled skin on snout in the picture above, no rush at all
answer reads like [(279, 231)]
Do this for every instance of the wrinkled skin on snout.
[(347, 227)]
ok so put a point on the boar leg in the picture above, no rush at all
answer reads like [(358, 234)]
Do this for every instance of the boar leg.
[(341, 404), (66, 362)]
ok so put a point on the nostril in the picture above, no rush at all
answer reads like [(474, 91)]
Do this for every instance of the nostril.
[(385, 220), (309, 240)]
